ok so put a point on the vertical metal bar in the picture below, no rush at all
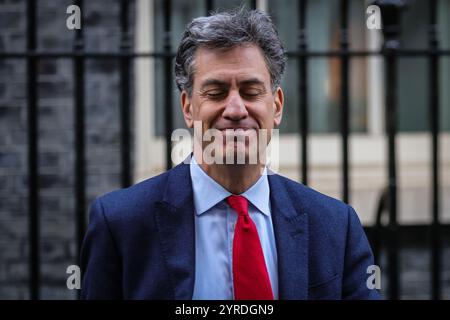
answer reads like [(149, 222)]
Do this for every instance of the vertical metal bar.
[(391, 45), (391, 11), (303, 90), (168, 113), (434, 127), (209, 6), (79, 123), (379, 228), (344, 44), (33, 163), (253, 4), (391, 121), (125, 150)]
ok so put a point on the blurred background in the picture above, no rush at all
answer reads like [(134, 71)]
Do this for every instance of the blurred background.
[(90, 110)]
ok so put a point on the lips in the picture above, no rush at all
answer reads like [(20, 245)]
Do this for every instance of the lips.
[(234, 128)]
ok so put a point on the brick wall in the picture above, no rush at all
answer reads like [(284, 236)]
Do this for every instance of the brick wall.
[(56, 138)]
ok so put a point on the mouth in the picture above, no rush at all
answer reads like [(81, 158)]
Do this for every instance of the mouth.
[(234, 129), (238, 135)]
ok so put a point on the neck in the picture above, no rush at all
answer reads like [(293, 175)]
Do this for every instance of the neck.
[(236, 178)]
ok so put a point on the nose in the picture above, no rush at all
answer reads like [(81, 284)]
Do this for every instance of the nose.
[(235, 109)]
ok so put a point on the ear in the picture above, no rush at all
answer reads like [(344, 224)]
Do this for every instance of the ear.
[(186, 107), (278, 106)]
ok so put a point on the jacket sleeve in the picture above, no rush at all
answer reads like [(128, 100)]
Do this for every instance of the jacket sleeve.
[(358, 257), (100, 261)]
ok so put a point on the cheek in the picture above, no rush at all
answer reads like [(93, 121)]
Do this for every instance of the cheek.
[(207, 114), (200, 109), (264, 115)]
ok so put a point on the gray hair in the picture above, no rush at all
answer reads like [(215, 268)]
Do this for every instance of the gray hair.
[(226, 30)]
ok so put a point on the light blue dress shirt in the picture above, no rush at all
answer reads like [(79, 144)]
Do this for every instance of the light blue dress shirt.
[(214, 232)]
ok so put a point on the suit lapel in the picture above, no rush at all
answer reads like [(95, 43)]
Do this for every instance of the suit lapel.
[(291, 236), (175, 223)]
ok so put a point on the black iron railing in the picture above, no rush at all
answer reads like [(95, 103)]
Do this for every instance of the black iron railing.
[(391, 51)]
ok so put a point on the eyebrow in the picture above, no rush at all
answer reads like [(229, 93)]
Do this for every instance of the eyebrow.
[(211, 82), (217, 82), (252, 81)]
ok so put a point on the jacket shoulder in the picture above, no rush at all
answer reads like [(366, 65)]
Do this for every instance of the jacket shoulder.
[(310, 200), (139, 198), (327, 216)]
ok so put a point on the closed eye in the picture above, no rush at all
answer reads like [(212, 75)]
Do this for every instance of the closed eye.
[(251, 93), (215, 94)]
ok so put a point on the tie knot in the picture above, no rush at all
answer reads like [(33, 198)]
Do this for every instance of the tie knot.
[(239, 204)]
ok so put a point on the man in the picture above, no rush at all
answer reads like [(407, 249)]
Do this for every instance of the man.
[(225, 229)]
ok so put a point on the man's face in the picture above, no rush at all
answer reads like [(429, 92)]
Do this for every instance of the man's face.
[(232, 93)]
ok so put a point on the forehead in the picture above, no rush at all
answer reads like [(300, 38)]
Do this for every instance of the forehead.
[(236, 63)]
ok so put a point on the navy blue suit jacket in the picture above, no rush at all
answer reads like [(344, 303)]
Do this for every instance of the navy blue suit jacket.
[(140, 243)]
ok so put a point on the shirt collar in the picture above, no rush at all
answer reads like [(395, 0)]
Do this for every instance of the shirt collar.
[(259, 194), (208, 193)]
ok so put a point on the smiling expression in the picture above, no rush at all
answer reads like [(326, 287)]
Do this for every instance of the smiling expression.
[(232, 91)]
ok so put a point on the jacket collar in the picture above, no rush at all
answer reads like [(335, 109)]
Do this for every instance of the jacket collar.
[(175, 223), (257, 194), (290, 225)]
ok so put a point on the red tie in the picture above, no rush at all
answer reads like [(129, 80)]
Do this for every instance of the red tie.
[(250, 277)]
